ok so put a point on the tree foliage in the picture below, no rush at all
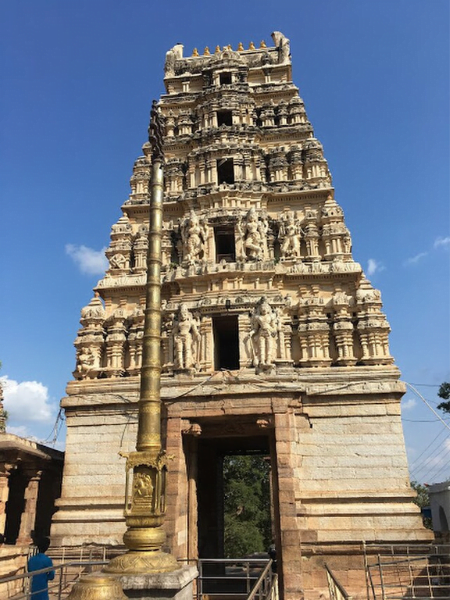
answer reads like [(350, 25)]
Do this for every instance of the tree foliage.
[(422, 500), (247, 526), (444, 393)]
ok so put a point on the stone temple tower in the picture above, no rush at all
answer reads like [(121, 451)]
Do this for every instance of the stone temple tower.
[(273, 339)]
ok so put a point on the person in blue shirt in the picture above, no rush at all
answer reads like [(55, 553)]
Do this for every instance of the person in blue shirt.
[(39, 583)]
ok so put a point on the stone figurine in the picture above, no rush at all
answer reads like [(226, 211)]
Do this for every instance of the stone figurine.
[(193, 238), (289, 236), (186, 339), (86, 363), (118, 261), (284, 47), (263, 334), (252, 237), (172, 55)]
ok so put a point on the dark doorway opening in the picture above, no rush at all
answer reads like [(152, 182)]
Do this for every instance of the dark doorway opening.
[(247, 514), (15, 506), (236, 502), (234, 496), (226, 343), (225, 78), (225, 244), (224, 117), (225, 170)]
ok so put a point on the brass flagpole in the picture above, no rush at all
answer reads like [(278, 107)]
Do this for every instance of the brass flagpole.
[(147, 466)]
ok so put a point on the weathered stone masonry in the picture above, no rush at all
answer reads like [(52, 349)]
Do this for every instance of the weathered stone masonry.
[(272, 336)]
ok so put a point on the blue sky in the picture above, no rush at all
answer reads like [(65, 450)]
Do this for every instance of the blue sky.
[(78, 79)]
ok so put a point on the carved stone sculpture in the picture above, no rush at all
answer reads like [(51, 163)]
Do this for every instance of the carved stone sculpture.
[(252, 237), (193, 238), (186, 339), (263, 334), (86, 363), (284, 47), (172, 55), (118, 261), (289, 236)]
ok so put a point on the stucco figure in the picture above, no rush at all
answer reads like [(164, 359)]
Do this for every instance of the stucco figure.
[(193, 238), (263, 334), (289, 236), (186, 337)]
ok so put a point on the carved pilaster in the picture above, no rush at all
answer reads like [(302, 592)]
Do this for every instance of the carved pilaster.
[(245, 342), (4, 492), (140, 252), (115, 343), (135, 336), (29, 513)]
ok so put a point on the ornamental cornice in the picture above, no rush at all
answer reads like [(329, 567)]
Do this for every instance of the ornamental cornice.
[(324, 382), (350, 388), (122, 281), (298, 195)]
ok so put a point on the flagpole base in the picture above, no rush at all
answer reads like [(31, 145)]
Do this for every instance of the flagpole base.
[(97, 586), (139, 563)]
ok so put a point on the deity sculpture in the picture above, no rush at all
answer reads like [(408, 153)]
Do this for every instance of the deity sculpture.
[(118, 261), (186, 339), (289, 236), (193, 238), (284, 46), (263, 334), (347, 242), (252, 237), (280, 345), (85, 363), (142, 486), (172, 55)]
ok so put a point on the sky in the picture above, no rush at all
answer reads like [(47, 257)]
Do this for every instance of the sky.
[(78, 78)]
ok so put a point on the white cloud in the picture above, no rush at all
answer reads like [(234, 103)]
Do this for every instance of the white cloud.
[(89, 261), (442, 242), (408, 403), (27, 401), (21, 430), (374, 266), (415, 259)]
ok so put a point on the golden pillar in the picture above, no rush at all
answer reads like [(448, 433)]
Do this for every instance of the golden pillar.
[(145, 502), (147, 466)]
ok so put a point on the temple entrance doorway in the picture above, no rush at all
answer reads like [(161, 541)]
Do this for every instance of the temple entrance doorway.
[(233, 500)]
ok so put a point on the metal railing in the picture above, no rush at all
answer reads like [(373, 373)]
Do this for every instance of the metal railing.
[(335, 588), (234, 578), (253, 579), (266, 588), (421, 571), (66, 574)]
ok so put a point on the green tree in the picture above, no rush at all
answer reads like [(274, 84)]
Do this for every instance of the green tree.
[(444, 393), (247, 525), (422, 500)]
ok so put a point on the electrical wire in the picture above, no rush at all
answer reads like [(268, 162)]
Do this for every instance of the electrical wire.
[(444, 468), (430, 407), (426, 384), (429, 446), (422, 466), (56, 429), (426, 467), (440, 464), (421, 421)]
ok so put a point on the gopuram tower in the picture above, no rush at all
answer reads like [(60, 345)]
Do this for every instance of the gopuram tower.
[(273, 340)]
